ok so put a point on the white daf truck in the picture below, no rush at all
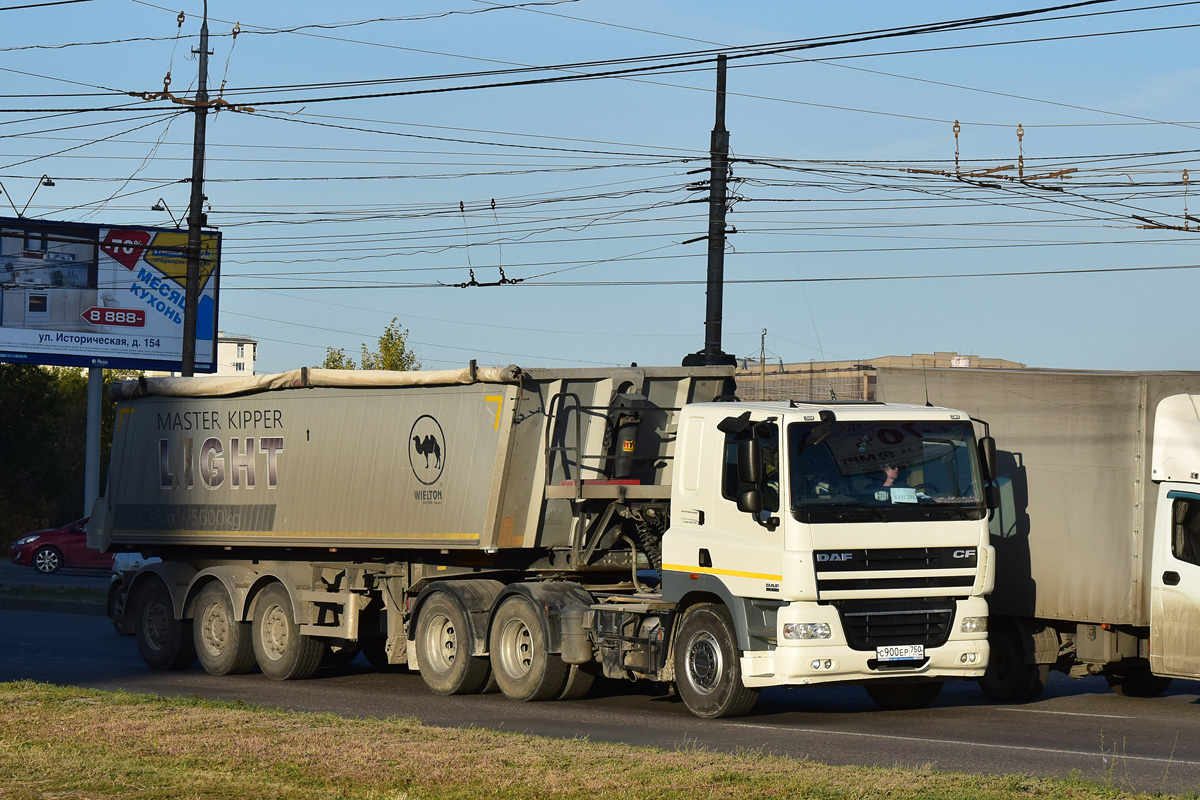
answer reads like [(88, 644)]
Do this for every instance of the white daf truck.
[(1097, 532), (535, 529)]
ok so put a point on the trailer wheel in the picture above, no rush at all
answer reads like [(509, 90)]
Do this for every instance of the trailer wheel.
[(163, 641), (1008, 679), (222, 642), (282, 652), (708, 673), (901, 696), (580, 680), (1139, 682), (523, 668), (443, 644)]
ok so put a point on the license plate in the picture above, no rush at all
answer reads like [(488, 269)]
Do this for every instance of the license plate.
[(900, 652)]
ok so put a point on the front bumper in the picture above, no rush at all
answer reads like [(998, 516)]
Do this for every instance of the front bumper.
[(816, 661)]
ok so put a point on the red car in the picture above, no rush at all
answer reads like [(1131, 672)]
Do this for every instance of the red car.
[(51, 549)]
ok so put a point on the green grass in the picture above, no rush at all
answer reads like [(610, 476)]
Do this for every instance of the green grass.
[(63, 742)]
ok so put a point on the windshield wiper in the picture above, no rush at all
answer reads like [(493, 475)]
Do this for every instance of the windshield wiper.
[(863, 514)]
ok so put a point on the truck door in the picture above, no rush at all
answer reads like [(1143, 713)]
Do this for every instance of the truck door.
[(1175, 585), (750, 550)]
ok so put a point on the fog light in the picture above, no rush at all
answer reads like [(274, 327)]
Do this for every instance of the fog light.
[(806, 630), (971, 658), (828, 664), (816, 664), (974, 624)]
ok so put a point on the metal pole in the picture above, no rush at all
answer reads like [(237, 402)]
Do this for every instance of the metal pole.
[(91, 448), (762, 366), (196, 218), (718, 173)]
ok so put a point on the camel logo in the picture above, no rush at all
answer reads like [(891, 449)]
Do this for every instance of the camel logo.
[(427, 449)]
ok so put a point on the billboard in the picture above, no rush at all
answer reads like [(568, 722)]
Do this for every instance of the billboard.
[(74, 294)]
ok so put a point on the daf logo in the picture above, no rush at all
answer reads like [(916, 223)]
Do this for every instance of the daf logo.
[(835, 556), (964, 553)]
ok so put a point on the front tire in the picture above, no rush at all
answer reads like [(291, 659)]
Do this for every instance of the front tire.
[(163, 641), (903, 696), (443, 644), (47, 560), (1008, 679), (1139, 682), (520, 663), (282, 652), (223, 644), (708, 672)]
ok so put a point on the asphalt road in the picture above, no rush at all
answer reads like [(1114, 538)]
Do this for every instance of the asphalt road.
[(1150, 745)]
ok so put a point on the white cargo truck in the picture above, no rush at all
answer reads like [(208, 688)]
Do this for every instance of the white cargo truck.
[(536, 529), (1097, 532)]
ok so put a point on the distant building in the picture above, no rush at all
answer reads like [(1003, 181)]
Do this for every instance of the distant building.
[(840, 380), (235, 354)]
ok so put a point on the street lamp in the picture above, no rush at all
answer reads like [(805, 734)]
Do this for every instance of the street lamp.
[(45, 180), (161, 205)]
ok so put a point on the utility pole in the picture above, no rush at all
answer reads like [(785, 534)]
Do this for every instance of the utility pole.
[(196, 217), (718, 175)]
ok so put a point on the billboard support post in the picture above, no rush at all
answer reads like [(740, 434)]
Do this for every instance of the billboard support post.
[(91, 457)]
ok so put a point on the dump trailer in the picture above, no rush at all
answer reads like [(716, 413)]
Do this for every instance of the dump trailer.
[(536, 529), (1097, 532)]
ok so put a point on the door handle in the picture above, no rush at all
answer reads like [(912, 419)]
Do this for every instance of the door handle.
[(1171, 578)]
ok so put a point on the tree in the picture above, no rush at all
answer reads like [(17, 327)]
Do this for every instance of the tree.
[(393, 353), (42, 444)]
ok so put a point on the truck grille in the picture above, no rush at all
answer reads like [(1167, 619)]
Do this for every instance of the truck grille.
[(869, 624), (948, 571)]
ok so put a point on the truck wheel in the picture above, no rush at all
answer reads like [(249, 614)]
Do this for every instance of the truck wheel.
[(580, 680), (523, 668), (336, 655), (443, 644), (114, 607), (47, 560), (708, 672), (283, 653), (163, 641), (900, 696), (222, 642), (1008, 679), (1139, 682)]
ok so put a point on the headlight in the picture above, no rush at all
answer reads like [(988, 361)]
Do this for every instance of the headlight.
[(974, 624), (29, 539), (806, 630)]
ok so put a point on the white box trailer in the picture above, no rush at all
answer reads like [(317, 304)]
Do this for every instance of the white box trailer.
[(1097, 532), (545, 527)]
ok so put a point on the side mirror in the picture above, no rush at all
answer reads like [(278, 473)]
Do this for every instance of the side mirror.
[(750, 501), (991, 496), (987, 457), (749, 461)]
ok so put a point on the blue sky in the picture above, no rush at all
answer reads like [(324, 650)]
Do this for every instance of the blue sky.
[(339, 215)]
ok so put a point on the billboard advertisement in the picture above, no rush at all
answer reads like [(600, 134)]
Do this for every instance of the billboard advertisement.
[(81, 295)]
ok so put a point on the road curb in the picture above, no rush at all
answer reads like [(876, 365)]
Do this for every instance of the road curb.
[(53, 606)]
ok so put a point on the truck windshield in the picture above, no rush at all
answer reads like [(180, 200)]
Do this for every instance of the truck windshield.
[(884, 471)]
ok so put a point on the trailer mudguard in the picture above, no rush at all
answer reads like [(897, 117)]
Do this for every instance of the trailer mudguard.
[(175, 575), (552, 599), (475, 596)]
